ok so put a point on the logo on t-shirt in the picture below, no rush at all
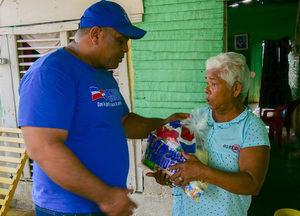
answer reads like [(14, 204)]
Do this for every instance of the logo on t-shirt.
[(235, 148), (106, 97), (96, 93)]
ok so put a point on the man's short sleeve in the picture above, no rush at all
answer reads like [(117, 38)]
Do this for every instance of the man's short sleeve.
[(47, 98)]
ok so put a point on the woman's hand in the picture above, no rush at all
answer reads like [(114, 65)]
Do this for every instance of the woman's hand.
[(161, 177), (190, 170)]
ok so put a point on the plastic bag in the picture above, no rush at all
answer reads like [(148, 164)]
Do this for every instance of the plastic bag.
[(164, 149)]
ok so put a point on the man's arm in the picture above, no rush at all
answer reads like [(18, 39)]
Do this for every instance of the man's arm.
[(138, 127), (253, 163), (46, 147)]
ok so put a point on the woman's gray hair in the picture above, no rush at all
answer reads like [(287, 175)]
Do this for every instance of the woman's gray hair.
[(234, 69)]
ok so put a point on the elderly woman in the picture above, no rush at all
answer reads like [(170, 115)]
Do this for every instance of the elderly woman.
[(237, 144)]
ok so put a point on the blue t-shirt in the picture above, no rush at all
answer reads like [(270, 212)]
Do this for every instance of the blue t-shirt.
[(61, 91), (223, 143)]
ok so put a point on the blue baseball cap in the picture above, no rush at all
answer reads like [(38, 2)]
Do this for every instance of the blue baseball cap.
[(110, 14)]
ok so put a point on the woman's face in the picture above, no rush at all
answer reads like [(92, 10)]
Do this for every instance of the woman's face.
[(218, 95)]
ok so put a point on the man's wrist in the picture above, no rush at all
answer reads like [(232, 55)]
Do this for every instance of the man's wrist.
[(167, 120), (163, 122), (102, 192)]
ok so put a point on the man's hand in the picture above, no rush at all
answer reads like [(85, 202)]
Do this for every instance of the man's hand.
[(161, 177), (175, 117), (46, 146), (117, 203), (138, 127)]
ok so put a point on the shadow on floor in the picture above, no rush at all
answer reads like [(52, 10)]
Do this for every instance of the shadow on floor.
[(14, 212), (282, 185)]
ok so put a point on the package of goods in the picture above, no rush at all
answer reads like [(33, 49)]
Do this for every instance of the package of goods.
[(164, 149)]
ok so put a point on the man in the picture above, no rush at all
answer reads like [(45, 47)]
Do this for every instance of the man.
[(75, 121)]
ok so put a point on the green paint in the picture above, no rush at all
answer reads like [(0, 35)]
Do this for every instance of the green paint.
[(185, 24), (169, 62), (167, 55), (152, 6), (165, 75), (160, 112), (183, 46), (169, 105), (171, 86), (260, 22), (160, 96), (184, 15), (264, 22), (256, 66)]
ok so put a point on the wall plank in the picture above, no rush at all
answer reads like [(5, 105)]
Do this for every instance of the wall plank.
[(169, 62)]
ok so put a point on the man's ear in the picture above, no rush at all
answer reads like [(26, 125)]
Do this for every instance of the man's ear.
[(237, 88), (95, 34)]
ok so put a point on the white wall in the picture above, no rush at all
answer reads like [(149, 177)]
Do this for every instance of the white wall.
[(7, 87), (25, 12)]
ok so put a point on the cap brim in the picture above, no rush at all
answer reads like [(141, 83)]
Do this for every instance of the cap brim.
[(131, 31)]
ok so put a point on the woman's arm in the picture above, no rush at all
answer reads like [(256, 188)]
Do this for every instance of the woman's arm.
[(253, 163)]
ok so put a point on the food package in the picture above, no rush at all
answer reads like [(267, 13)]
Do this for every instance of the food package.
[(164, 149)]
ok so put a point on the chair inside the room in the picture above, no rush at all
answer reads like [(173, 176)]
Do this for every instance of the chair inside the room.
[(280, 118)]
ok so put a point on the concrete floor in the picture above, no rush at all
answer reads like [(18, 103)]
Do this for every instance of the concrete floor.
[(14, 212), (282, 185)]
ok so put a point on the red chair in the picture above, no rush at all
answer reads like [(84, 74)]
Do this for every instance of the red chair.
[(281, 118)]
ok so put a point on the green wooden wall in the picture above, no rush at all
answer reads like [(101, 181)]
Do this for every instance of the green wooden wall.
[(169, 62)]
